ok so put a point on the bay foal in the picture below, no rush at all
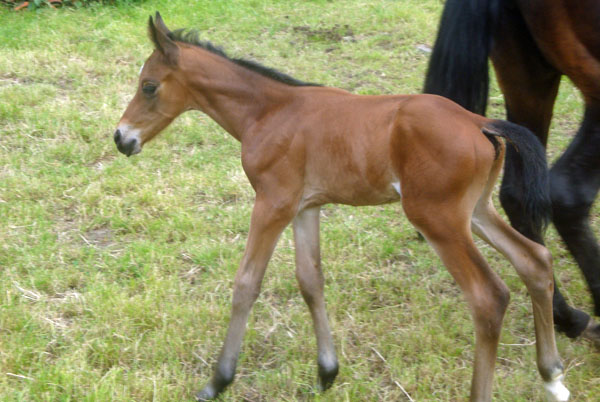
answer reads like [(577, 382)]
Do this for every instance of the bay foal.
[(304, 146)]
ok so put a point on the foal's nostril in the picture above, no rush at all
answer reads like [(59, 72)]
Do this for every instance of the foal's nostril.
[(128, 143)]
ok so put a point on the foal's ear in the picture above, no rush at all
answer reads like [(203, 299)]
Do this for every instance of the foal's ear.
[(159, 34)]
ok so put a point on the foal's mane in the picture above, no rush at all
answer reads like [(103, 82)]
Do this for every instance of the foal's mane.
[(190, 37)]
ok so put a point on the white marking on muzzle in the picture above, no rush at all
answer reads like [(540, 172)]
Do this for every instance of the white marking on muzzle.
[(129, 133)]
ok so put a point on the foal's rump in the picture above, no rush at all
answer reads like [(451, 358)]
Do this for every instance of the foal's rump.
[(441, 150)]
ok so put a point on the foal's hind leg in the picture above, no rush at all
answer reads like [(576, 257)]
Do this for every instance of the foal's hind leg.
[(310, 278), (446, 228), (533, 264)]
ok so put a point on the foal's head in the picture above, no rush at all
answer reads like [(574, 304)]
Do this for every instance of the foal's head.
[(161, 94)]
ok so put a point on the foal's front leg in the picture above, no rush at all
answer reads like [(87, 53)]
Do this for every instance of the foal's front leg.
[(310, 278), (269, 218)]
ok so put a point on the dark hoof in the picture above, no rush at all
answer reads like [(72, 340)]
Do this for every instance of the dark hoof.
[(592, 333), (223, 376), (327, 376)]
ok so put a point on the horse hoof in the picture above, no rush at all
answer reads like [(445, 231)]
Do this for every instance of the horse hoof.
[(325, 383), (556, 391), (592, 333), (207, 393), (327, 376)]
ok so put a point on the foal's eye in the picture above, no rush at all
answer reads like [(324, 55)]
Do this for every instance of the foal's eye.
[(149, 88)]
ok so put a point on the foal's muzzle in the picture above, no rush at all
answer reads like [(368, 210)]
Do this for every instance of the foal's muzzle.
[(127, 146)]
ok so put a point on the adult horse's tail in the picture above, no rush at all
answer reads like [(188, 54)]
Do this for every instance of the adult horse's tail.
[(529, 169), (458, 67)]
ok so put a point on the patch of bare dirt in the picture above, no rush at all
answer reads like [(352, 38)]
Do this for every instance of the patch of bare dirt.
[(101, 237), (336, 33)]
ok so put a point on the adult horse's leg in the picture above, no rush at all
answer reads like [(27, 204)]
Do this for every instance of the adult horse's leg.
[(530, 86), (446, 228), (533, 264), (310, 278), (269, 218), (575, 181)]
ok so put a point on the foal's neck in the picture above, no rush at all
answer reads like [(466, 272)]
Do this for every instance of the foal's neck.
[(235, 97)]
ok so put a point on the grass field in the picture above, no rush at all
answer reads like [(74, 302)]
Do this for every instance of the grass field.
[(116, 273)]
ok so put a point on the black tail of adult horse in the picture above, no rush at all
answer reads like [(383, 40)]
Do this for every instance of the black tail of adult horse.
[(458, 67), (530, 171)]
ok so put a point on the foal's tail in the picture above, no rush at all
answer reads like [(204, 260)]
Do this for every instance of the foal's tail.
[(530, 171), (458, 67)]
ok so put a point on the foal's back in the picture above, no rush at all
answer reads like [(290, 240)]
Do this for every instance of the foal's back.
[(356, 149)]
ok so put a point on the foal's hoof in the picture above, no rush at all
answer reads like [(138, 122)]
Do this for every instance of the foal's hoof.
[(592, 333), (556, 391), (327, 376), (207, 393)]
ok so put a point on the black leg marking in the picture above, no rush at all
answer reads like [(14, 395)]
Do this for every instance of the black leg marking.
[(327, 374), (222, 377)]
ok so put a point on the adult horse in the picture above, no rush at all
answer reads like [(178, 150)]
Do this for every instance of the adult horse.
[(304, 146), (532, 44)]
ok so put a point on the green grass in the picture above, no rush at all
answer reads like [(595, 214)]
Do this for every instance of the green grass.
[(116, 273)]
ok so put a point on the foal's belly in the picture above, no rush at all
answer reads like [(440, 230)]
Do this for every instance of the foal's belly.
[(351, 195)]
